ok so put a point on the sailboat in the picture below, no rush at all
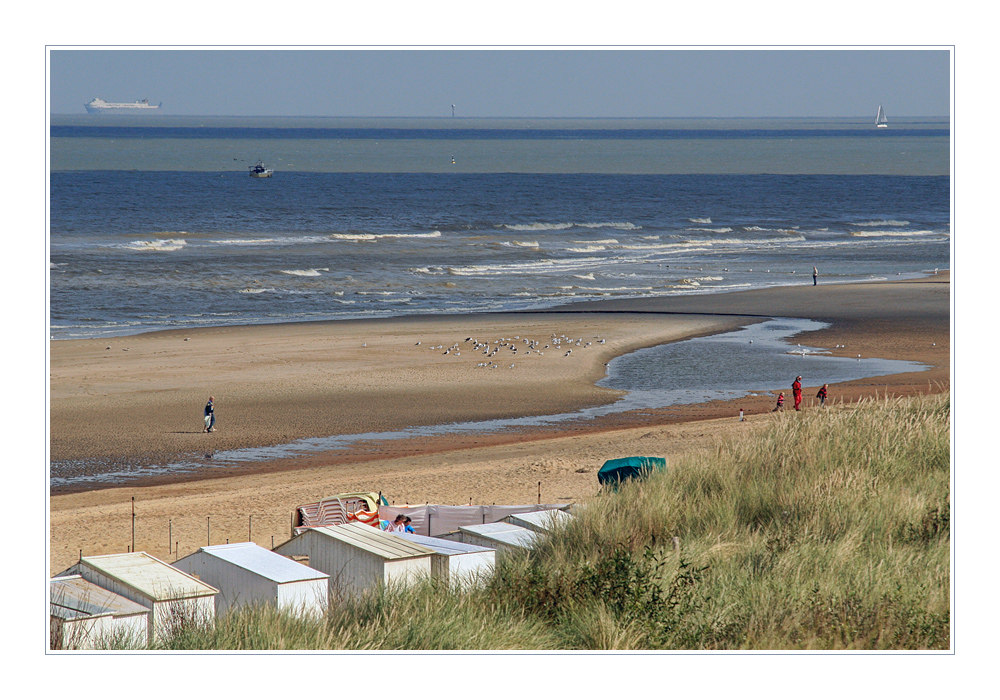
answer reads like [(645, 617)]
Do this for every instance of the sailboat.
[(880, 121)]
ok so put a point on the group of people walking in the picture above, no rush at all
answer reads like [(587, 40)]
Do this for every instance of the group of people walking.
[(797, 396)]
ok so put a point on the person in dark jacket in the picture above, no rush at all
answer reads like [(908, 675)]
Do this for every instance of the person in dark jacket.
[(210, 415), (821, 395)]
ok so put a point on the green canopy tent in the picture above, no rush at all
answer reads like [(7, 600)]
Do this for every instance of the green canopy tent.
[(616, 471)]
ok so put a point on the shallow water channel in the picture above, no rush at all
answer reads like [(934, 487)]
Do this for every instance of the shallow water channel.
[(755, 359)]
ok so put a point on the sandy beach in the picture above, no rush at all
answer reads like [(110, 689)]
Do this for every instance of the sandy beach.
[(139, 399)]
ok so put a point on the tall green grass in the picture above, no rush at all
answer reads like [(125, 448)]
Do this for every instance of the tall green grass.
[(828, 529)]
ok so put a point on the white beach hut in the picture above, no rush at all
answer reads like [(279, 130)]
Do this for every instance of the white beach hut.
[(456, 563), (82, 615), (501, 536), (540, 521), (358, 557), (171, 595), (246, 573)]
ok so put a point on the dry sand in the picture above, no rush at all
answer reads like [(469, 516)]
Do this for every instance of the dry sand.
[(276, 383)]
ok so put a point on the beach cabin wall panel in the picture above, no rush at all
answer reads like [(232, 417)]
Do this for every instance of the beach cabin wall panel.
[(407, 571), (345, 565), (162, 614), (82, 632), (83, 615), (96, 632), (304, 596), (467, 568), (453, 561), (115, 586), (236, 586), (351, 568), (167, 614), (247, 574)]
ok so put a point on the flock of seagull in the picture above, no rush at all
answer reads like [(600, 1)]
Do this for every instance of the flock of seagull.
[(516, 347)]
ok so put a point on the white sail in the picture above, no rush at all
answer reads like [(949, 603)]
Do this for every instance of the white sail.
[(880, 120)]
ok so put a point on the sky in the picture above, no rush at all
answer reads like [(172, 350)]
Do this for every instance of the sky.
[(556, 82)]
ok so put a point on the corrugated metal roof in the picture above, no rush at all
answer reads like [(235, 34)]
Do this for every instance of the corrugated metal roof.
[(383, 544), (541, 519), (264, 562), (505, 533), (150, 576), (441, 546), (74, 596)]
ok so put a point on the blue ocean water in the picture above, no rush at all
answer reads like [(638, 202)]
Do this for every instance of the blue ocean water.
[(155, 224)]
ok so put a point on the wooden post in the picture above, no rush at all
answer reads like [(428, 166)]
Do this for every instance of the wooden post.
[(170, 536), (133, 523), (250, 529), (539, 492), (209, 518)]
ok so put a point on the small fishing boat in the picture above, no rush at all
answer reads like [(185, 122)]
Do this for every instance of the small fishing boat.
[(258, 170), (880, 121)]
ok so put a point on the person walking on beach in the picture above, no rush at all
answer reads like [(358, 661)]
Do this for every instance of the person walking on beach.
[(797, 392), (815, 275), (781, 402), (821, 395), (210, 415)]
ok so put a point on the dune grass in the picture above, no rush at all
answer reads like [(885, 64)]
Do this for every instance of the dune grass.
[(827, 529)]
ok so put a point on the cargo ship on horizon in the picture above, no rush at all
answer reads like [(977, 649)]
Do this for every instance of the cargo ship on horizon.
[(99, 106)]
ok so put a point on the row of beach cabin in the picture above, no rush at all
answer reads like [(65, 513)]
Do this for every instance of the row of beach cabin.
[(134, 599)]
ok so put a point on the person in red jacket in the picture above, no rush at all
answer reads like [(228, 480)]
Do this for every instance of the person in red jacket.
[(797, 392), (821, 395), (781, 402)]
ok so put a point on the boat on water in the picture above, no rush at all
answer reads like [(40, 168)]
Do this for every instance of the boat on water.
[(99, 106), (880, 121), (258, 170)]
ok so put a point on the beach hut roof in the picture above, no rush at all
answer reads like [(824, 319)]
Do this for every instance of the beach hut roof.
[(506, 533), (148, 575), (373, 540), (542, 519), (441, 546), (264, 562), (74, 596)]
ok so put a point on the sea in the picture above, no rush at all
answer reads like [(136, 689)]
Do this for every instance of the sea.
[(154, 222)]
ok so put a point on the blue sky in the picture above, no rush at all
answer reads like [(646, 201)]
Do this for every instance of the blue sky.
[(553, 82)]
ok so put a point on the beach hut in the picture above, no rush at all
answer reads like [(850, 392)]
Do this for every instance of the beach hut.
[(82, 615), (435, 520), (456, 563), (501, 536), (246, 573), (172, 596), (358, 557), (540, 521)]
